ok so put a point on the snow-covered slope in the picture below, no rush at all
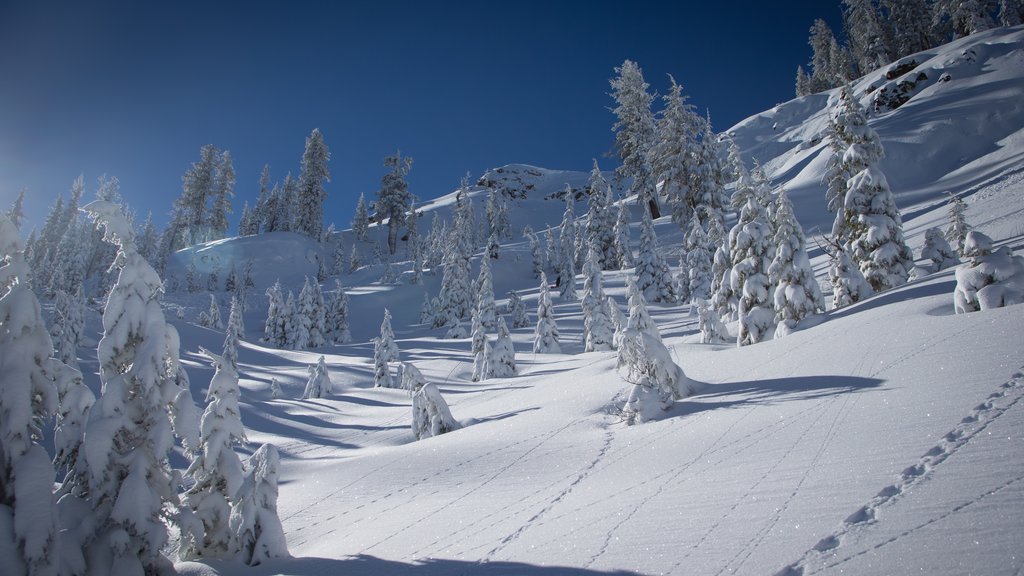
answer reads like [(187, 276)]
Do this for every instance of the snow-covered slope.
[(881, 438)]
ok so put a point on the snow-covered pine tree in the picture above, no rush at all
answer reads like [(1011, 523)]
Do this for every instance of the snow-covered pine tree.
[(516, 309), (456, 293), (712, 329), (319, 383), (554, 255), (635, 132), (394, 199), (537, 254), (430, 413), (802, 83), (254, 517), (361, 220), (68, 325), (623, 252), (354, 260), (959, 18), (316, 311), (600, 223), (652, 273), (598, 331), (938, 250), (211, 318), (657, 380), (427, 310), (387, 336), (216, 469), (337, 316), (197, 189), (381, 370), (546, 333), (710, 176), (619, 320), (567, 249), (493, 247), (235, 331), (723, 299), (482, 358), (412, 378), (28, 397), (295, 333), (699, 250), (750, 244), (129, 435), (990, 279), (848, 283), (909, 26), (866, 34), (797, 294), (844, 124), (1011, 12), (272, 328), (223, 190), (825, 59), (502, 361), (674, 154), (875, 227), (957, 227), (310, 193), (485, 306), (275, 389)]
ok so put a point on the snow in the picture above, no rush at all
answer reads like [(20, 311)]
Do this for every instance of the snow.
[(883, 436)]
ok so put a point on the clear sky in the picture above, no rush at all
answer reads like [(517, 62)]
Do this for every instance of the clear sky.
[(133, 89)]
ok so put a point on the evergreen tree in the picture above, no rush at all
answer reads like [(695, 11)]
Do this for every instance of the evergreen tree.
[(247, 223), (387, 337), (803, 83), (909, 25), (712, 329), (275, 389), (485, 295), (990, 279), (502, 362), (394, 198), (337, 316), (273, 328), (211, 318), (749, 246), (262, 207), (674, 155), (657, 380), (254, 517), (567, 250), (961, 18), (517, 310), (223, 190), (361, 221), (311, 306), (430, 413), (235, 332), (309, 202), (710, 175), (481, 349), (537, 254), (546, 333), (848, 283), (493, 247), (319, 383), (938, 250), (145, 396), (456, 292), (699, 249), (652, 273), (1011, 12), (28, 397), (875, 227), (294, 328), (797, 294), (600, 223), (216, 470), (624, 254), (68, 325), (957, 228), (634, 132), (866, 34), (826, 69), (197, 189), (554, 255), (597, 329), (354, 261)]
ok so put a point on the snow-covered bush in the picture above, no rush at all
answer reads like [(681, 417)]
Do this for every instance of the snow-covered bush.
[(319, 383), (712, 329), (848, 283), (938, 250), (430, 413), (254, 521), (991, 279)]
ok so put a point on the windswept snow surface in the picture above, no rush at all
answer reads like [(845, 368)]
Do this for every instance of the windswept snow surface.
[(882, 438)]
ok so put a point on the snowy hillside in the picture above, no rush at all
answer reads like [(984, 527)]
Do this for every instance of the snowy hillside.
[(885, 437)]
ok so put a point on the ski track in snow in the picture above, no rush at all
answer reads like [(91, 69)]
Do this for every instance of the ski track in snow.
[(998, 403)]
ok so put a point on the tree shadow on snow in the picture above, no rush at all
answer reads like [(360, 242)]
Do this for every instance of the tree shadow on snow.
[(771, 391), (365, 564)]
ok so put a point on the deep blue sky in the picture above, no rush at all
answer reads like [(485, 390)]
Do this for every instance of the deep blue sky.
[(134, 89)]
